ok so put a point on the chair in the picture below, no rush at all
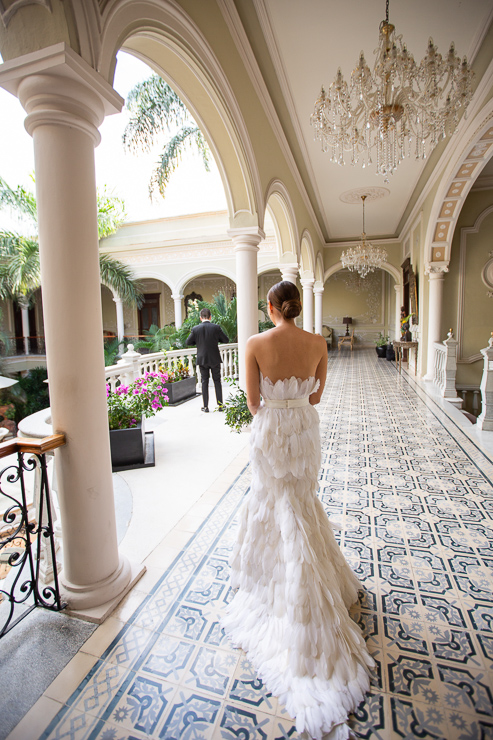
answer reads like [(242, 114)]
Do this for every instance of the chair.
[(346, 339), (327, 335)]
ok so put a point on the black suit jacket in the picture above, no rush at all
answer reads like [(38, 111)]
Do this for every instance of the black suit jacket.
[(207, 337)]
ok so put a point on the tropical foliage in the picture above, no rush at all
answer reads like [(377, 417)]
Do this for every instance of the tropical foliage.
[(155, 110), (19, 254), (156, 339), (237, 415)]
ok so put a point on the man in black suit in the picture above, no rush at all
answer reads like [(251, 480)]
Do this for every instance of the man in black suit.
[(207, 336)]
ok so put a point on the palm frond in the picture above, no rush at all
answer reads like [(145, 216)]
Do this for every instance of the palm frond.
[(20, 272), (188, 137), (155, 108), (119, 277), (111, 213), (19, 200)]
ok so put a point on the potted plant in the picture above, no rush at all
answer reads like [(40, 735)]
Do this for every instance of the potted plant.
[(128, 406), (181, 385), (381, 345), (237, 415)]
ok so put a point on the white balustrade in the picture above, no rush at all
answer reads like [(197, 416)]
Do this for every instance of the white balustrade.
[(133, 365), (485, 419), (445, 369)]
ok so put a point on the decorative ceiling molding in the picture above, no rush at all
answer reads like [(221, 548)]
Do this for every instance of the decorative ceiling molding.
[(372, 193), (481, 107), (7, 13), (233, 21)]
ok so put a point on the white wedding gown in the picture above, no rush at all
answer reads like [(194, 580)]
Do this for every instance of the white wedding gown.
[(294, 587)]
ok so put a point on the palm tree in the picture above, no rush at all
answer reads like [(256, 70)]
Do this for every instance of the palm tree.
[(157, 109), (19, 267)]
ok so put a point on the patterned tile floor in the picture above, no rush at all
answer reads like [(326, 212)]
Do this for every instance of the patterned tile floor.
[(414, 499)]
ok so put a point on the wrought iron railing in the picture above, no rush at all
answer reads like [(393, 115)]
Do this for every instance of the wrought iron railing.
[(27, 541)]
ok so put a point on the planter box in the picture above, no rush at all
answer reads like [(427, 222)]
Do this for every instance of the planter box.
[(128, 446), (181, 391), (381, 351)]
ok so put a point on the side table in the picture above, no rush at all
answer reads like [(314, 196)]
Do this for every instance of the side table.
[(399, 346)]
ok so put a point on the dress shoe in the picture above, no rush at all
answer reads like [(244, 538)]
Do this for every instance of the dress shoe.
[(205, 409), (220, 407)]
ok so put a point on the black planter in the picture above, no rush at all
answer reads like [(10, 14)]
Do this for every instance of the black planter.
[(181, 390), (390, 354), (128, 446), (381, 351)]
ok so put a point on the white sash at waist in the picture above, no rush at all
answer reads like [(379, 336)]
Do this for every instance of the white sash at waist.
[(286, 403)]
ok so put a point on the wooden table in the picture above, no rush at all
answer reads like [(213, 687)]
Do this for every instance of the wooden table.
[(399, 347)]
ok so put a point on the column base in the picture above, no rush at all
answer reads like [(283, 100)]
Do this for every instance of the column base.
[(96, 601)]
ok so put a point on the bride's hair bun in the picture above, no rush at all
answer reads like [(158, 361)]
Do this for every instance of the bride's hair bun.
[(285, 296)]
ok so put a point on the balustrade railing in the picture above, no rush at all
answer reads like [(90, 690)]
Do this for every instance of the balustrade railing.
[(27, 540), (445, 369), (485, 419), (133, 364)]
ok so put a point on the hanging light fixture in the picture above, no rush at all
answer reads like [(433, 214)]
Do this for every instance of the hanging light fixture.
[(363, 258), (395, 109)]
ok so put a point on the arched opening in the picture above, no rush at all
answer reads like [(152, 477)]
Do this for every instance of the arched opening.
[(205, 286), (370, 303)]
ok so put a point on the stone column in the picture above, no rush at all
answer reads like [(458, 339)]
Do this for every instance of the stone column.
[(308, 284), (398, 304), (120, 321), (246, 243), (289, 272), (66, 101), (178, 299), (319, 295), (436, 276), (25, 325)]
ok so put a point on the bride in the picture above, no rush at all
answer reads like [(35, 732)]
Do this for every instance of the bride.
[(294, 587)]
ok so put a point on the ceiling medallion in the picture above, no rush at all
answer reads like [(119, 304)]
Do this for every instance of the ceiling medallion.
[(354, 196), (364, 257), (395, 109)]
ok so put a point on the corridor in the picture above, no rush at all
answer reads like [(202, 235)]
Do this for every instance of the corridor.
[(412, 496)]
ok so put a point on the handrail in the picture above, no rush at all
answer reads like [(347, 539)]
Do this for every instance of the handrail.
[(31, 445)]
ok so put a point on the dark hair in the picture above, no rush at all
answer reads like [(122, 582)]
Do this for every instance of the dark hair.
[(205, 313), (285, 296)]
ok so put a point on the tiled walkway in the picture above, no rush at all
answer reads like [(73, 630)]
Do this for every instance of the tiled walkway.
[(414, 499)]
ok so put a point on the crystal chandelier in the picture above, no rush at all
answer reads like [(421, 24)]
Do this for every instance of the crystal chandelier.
[(363, 258), (395, 109)]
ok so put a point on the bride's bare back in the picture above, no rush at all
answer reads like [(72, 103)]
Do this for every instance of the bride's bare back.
[(281, 353)]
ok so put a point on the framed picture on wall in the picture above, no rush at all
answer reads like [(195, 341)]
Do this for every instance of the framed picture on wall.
[(413, 295)]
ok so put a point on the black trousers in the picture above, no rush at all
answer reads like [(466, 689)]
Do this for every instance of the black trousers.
[(216, 377)]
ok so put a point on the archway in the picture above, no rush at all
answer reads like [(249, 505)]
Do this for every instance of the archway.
[(373, 302), (165, 37)]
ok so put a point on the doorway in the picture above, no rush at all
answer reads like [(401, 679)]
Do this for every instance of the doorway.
[(149, 313)]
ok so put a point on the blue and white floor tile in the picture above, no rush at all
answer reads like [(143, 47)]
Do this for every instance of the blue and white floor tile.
[(413, 499)]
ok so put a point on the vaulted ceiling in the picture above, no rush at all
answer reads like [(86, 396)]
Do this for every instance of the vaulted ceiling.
[(299, 45)]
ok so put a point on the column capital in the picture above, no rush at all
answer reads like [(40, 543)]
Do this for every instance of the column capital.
[(177, 296), (246, 239), (436, 270), (56, 86), (397, 287), (117, 299), (318, 290), (307, 282), (289, 272)]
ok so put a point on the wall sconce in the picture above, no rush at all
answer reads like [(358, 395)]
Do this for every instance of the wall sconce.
[(347, 320)]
